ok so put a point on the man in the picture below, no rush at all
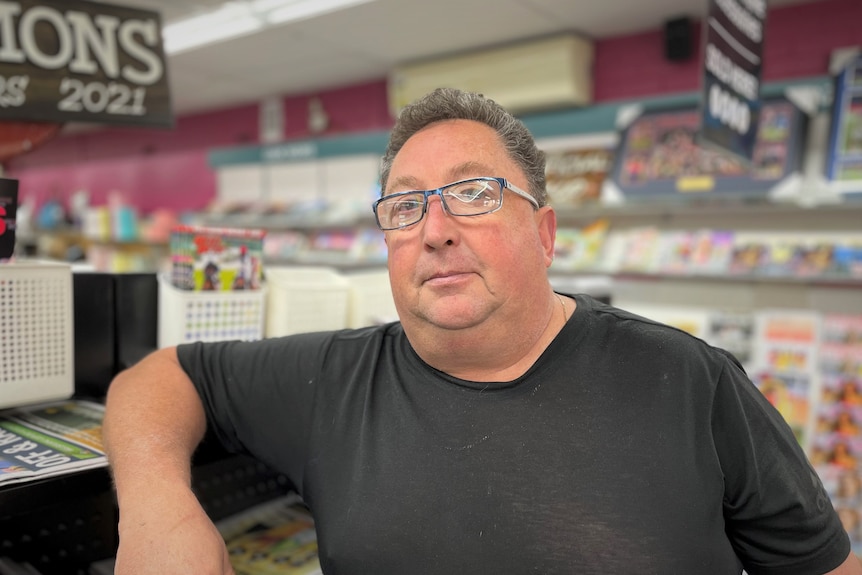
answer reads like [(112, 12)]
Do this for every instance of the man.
[(499, 427)]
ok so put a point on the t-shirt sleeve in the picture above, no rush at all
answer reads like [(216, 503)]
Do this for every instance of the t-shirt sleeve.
[(258, 396), (778, 515)]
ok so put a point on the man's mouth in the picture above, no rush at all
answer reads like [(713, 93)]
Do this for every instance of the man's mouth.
[(449, 277)]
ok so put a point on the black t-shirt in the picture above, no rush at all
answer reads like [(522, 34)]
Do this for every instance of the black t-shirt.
[(628, 447)]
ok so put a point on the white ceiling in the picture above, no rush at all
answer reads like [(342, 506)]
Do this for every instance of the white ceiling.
[(366, 41)]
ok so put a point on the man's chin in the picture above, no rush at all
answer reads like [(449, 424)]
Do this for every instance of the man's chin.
[(447, 315)]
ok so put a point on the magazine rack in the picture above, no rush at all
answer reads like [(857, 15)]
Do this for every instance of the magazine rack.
[(37, 332)]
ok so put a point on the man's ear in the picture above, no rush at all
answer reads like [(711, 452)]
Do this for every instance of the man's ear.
[(546, 222)]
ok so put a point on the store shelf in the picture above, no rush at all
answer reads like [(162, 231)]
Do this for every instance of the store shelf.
[(288, 221), (102, 254), (819, 282), (729, 214)]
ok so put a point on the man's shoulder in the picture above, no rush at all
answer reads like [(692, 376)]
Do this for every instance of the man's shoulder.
[(637, 327)]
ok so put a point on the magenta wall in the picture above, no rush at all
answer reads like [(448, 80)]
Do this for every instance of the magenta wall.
[(156, 168), (168, 168), (799, 41)]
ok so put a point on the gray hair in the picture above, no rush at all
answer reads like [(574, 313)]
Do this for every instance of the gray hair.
[(452, 104)]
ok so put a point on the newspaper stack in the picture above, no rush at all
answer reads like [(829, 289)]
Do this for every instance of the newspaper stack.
[(50, 439)]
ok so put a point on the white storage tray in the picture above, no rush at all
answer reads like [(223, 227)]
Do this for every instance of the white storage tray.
[(36, 332), (305, 299), (371, 300), (187, 316)]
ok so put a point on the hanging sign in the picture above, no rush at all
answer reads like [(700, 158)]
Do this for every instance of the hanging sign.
[(76, 61), (731, 75)]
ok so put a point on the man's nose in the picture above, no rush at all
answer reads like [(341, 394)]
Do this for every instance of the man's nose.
[(440, 227)]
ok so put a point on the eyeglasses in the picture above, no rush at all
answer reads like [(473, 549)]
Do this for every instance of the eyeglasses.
[(472, 197)]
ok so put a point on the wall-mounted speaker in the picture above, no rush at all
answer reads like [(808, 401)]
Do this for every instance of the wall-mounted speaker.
[(678, 39)]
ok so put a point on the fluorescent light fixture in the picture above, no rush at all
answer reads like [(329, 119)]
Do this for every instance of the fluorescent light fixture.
[(231, 20), (263, 6), (304, 9), (238, 18)]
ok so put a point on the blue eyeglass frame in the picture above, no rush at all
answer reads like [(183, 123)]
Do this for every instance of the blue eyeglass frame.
[(503, 182)]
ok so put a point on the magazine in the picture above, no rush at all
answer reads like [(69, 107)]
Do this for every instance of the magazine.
[(578, 249), (733, 332), (50, 439), (675, 251), (575, 176), (749, 254), (786, 341), (216, 259), (277, 537), (790, 394), (641, 250)]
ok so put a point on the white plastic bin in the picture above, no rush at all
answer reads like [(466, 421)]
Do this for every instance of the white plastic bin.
[(303, 299), (36, 332), (186, 316), (371, 301)]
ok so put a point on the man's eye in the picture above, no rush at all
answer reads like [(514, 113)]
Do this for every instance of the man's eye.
[(475, 194), (402, 206)]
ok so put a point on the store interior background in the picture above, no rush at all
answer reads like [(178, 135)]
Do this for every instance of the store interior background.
[(328, 75), (340, 62), (343, 58)]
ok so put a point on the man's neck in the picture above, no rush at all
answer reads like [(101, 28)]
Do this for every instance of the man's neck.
[(489, 351)]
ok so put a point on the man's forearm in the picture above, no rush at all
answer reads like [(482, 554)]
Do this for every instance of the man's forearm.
[(154, 420)]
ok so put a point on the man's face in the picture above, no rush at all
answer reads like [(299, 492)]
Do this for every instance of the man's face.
[(455, 272)]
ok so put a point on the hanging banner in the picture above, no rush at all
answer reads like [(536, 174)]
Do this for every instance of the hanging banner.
[(76, 61), (733, 50)]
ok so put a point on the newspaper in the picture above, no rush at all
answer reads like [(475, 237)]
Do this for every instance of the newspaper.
[(50, 439)]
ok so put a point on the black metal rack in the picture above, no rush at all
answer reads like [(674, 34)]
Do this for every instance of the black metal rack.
[(62, 524), (59, 524)]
